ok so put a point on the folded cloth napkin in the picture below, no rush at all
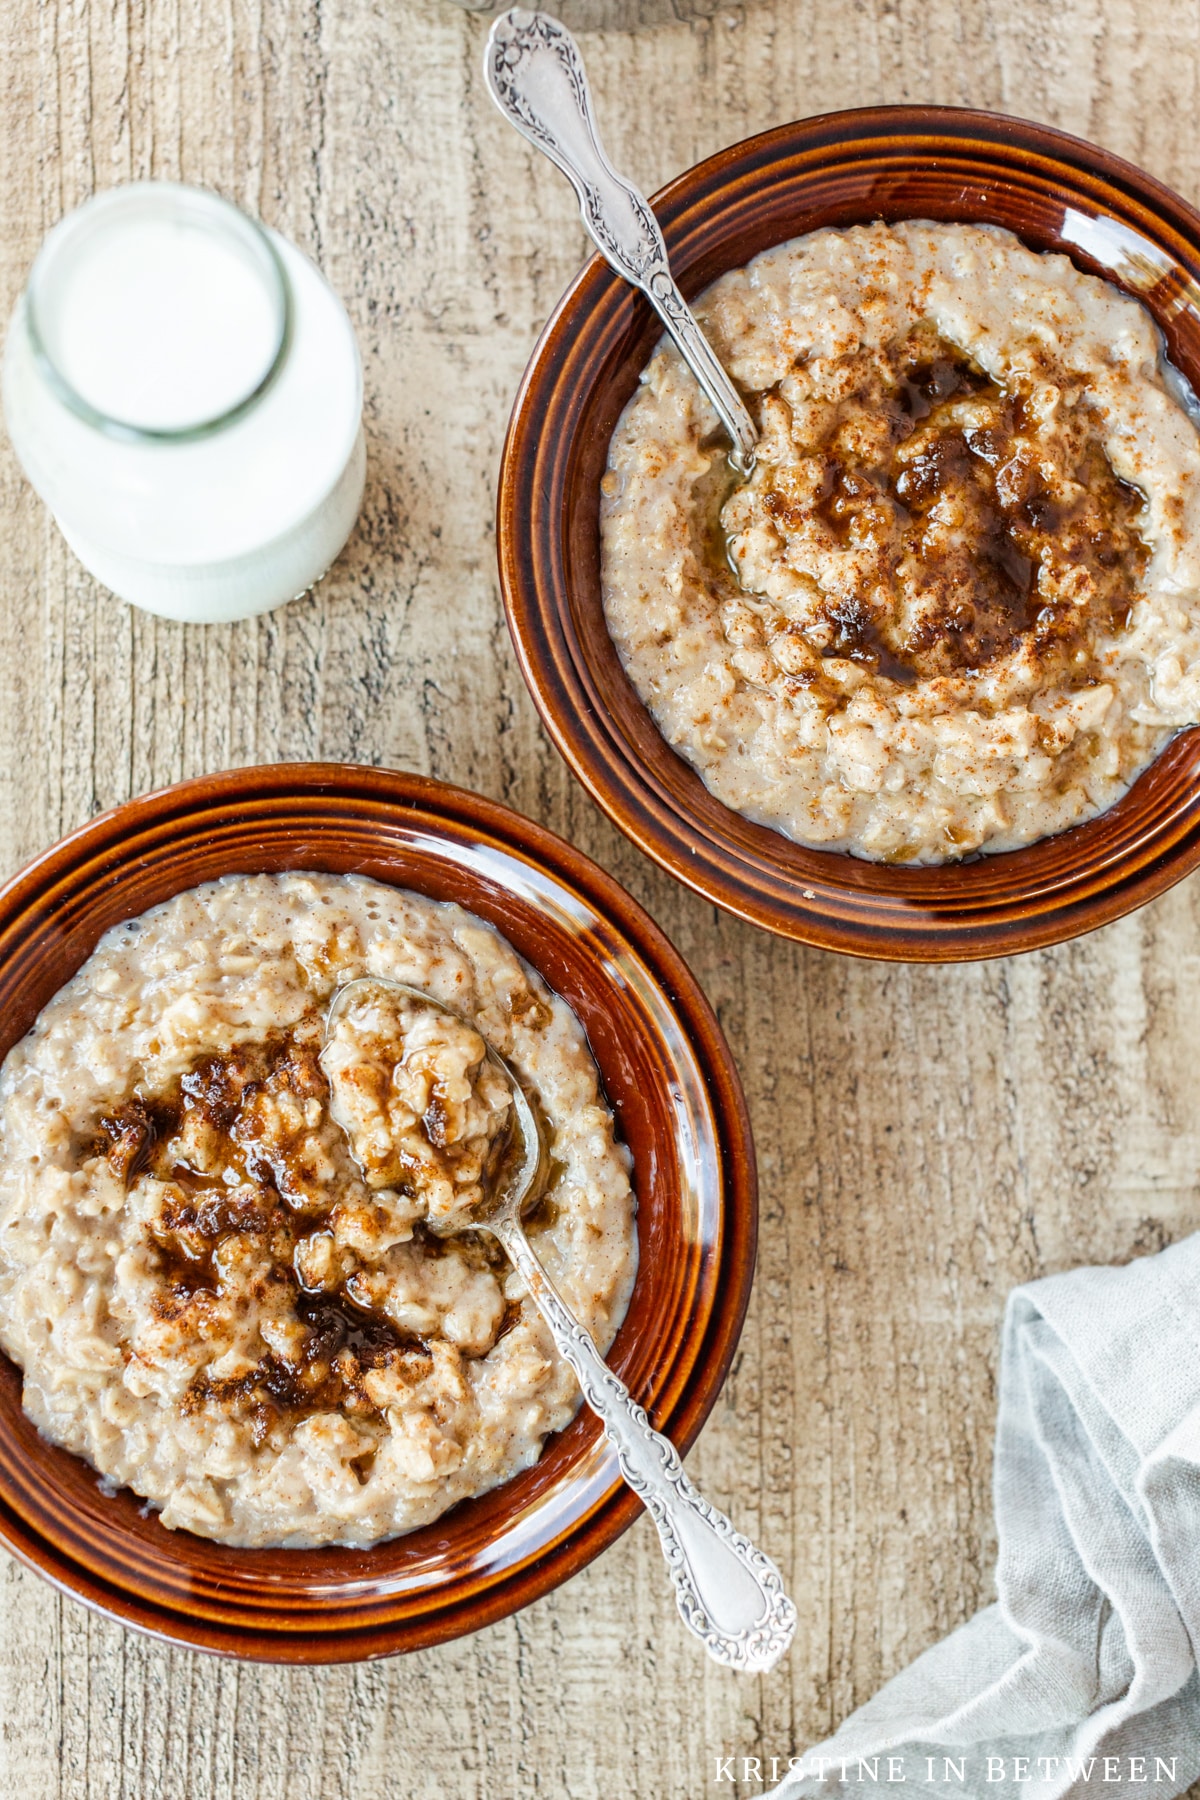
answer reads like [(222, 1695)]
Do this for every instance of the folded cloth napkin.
[(1082, 1678)]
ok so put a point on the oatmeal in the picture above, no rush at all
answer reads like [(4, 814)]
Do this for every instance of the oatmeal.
[(420, 1104), (957, 604), (222, 1266)]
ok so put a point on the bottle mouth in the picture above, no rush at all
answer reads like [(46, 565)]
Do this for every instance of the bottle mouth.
[(159, 313)]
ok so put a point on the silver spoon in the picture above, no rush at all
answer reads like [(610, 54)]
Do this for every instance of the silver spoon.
[(535, 74), (729, 1593)]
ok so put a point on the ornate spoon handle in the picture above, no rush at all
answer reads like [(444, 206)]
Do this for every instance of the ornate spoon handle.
[(535, 74), (730, 1594)]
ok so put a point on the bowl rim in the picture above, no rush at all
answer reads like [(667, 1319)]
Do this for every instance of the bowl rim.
[(839, 903), (24, 917)]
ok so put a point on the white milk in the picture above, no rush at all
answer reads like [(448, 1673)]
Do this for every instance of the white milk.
[(184, 391), (160, 324)]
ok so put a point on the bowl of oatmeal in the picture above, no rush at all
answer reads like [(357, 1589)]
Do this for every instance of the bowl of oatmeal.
[(264, 1391), (923, 686)]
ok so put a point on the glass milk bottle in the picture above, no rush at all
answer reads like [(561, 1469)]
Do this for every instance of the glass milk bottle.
[(184, 391)]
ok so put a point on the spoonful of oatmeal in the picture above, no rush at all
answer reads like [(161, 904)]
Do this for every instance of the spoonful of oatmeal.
[(429, 1106), (535, 74)]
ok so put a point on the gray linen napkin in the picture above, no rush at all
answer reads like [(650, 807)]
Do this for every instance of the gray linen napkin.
[(1082, 1678)]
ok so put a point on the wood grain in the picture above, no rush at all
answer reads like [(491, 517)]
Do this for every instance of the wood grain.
[(927, 1138)]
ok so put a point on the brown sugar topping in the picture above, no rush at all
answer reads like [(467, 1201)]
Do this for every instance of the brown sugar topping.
[(130, 1134), (236, 1142), (977, 528), (343, 1343)]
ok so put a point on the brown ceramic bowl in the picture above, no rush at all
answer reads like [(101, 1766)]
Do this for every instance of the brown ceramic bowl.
[(847, 168), (675, 1092)]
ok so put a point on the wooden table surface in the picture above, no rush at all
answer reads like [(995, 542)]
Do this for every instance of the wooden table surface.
[(926, 1138)]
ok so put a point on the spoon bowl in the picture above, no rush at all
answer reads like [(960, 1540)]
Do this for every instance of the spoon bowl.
[(523, 1175)]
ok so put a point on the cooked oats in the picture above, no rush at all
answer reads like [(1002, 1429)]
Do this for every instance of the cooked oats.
[(957, 605), (237, 1308)]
